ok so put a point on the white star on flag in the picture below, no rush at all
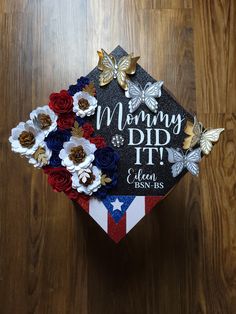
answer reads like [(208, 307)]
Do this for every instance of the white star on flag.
[(117, 205)]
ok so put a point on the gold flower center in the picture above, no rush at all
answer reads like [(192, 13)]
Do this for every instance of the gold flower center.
[(89, 180), (77, 154), (44, 121), (40, 155), (27, 139), (83, 104)]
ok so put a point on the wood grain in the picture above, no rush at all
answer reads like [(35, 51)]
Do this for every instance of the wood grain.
[(182, 257)]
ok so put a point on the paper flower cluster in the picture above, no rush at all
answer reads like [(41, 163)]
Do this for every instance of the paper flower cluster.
[(59, 139)]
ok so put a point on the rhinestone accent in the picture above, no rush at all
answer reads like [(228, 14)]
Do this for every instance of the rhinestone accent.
[(117, 140)]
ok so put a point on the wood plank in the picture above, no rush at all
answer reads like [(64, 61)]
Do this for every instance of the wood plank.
[(215, 55), (218, 217), (163, 4)]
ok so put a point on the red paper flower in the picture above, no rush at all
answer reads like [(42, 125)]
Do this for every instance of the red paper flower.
[(58, 178), (73, 194), (66, 120), (88, 130), (79, 198), (61, 102), (99, 141)]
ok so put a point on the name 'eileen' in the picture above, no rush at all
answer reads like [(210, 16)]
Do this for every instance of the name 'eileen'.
[(151, 120)]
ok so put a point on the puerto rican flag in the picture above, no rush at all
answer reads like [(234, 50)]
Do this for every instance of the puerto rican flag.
[(118, 214)]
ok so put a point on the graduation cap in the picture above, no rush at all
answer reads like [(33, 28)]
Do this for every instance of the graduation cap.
[(119, 154)]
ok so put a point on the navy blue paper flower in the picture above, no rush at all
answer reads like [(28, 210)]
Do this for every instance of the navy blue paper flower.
[(80, 120), (101, 192), (55, 139), (55, 160), (106, 159), (73, 89), (104, 189), (81, 83)]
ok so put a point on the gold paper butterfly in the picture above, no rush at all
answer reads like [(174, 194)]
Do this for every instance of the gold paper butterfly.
[(197, 135), (111, 69)]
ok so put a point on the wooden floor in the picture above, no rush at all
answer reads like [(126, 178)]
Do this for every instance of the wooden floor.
[(182, 257)]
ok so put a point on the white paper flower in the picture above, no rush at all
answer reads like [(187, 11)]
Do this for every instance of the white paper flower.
[(84, 104), (41, 157), (87, 180), (25, 138), (44, 119), (76, 154)]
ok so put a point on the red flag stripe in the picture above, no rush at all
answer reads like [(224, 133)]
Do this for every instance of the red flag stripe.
[(83, 203), (151, 201), (116, 231)]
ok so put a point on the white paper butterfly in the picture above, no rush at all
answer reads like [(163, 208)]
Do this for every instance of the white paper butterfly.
[(203, 137), (182, 160), (147, 95)]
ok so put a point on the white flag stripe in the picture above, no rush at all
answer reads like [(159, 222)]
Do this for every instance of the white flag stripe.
[(135, 212), (99, 213)]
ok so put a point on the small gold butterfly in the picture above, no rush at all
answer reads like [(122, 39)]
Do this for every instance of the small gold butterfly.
[(111, 69), (197, 135)]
